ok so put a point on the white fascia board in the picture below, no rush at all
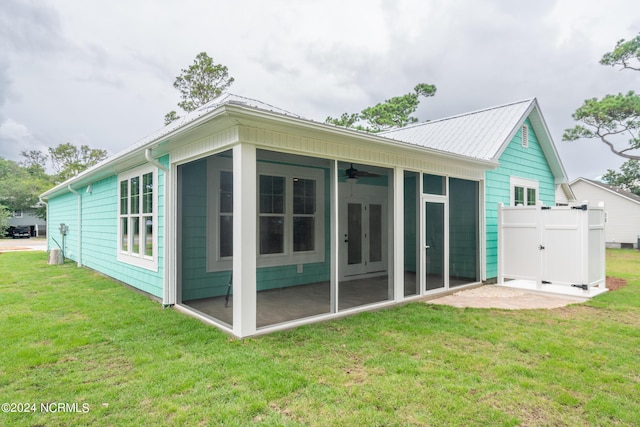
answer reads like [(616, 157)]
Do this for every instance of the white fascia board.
[(342, 133)]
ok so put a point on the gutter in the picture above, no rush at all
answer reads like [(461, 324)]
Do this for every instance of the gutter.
[(71, 190)]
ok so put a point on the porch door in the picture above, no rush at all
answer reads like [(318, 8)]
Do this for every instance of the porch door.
[(434, 245), (363, 235)]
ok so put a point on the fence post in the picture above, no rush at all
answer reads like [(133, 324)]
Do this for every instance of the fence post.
[(500, 244)]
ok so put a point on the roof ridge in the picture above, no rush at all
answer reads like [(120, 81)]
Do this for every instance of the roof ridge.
[(456, 116)]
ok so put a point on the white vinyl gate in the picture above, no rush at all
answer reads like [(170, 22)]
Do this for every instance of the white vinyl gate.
[(552, 246)]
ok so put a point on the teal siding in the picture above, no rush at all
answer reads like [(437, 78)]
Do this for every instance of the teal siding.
[(516, 161), (196, 281), (99, 232), (64, 209)]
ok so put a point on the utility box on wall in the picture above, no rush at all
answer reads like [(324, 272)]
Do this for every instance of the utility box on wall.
[(559, 246)]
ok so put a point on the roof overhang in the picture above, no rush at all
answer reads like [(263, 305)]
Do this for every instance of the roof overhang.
[(229, 115)]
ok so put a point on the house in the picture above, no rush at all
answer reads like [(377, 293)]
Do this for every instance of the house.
[(515, 137), (28, 218), (255, 219), (623, 211)]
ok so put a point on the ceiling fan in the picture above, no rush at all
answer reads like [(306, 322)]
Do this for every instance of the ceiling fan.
[(353, 174)]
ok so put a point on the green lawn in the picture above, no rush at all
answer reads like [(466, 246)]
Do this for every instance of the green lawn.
[(74, 337)]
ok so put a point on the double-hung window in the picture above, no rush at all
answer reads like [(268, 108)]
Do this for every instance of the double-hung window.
[(137, 195)]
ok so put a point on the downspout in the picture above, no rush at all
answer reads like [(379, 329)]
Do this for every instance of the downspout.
[(79, 223), (46, 219), (168, 293)]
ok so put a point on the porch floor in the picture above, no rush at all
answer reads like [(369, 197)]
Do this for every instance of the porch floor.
[(298, 302)]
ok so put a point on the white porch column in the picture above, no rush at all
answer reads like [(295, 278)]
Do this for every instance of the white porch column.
[(398, 234), (244, 240), (335, 238)]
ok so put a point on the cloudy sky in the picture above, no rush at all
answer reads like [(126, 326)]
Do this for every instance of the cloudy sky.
[(101, 73)]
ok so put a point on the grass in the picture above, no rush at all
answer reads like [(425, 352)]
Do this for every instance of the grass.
[(70, 335)]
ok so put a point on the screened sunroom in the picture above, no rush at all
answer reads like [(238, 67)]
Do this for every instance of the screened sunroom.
[(268, 239)]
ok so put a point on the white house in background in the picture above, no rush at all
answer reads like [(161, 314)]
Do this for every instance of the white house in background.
[(623, 210), (28, 218)]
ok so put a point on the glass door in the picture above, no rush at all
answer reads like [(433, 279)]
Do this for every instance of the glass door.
[(434, 245)]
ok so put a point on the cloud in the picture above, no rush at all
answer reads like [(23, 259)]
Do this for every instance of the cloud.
[(28, 26)]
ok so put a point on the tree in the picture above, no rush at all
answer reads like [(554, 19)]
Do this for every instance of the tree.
[(203, 81), (614, 119), (394, 112), (35, 162), (625, 54), (4, 216), (69, 160), (628, 178), (18, 188)]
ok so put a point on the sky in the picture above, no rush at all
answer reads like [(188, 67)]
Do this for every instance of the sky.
[(101, 73)]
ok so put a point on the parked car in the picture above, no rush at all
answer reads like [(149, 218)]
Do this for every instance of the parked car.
[(21, 232)]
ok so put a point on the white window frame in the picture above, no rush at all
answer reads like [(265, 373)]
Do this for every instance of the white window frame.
[(288, 257), (18, 213), (128, 256), (526, 184), (524, 136), (216, 164)]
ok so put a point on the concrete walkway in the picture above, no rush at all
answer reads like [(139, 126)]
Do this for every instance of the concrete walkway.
[(31, 244), (491, 296)]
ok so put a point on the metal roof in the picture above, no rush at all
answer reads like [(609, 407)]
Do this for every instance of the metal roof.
[(480, 134), (224, 98)]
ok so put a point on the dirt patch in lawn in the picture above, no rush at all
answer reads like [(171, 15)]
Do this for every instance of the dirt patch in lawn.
[(615, 283)]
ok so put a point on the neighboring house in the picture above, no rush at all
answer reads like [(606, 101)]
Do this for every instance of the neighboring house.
[(622, 207), (255, 219), (28, 218)]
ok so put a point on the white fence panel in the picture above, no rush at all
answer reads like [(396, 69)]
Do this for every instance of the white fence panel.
[(559, 246)]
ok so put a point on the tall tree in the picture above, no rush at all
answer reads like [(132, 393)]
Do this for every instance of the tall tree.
[(68, 160), (394, 112), (35, 162), (614, 119), (628, 178), (198, 84)]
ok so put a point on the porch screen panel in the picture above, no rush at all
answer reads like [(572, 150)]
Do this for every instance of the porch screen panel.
[(304, 209), (226, 215), (354, 233), (463, 232), (375, 233), (411, 254), (272, 209)]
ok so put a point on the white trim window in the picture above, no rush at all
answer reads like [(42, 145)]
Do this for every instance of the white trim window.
[(18, 213), (290, 215), (137, 217), (524, 192)]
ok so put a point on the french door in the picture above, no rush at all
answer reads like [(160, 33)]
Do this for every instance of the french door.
[(363, 235)]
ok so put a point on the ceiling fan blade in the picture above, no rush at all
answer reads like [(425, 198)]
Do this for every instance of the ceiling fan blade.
[(366, 174)]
